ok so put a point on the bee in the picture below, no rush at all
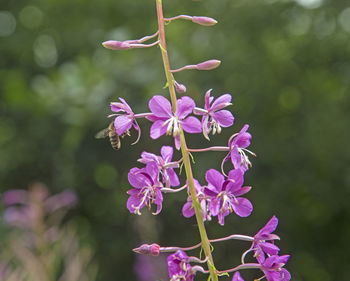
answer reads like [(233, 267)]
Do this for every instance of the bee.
[(110, 132)]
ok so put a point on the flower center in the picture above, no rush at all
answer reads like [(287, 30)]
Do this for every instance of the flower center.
[(173, 126)]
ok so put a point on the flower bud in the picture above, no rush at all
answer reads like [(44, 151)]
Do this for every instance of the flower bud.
[(116, 45), (146, 249), (208, 65), (180, 88), (206, 21)]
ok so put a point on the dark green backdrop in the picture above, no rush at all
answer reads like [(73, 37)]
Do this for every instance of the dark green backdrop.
[(287, 65)]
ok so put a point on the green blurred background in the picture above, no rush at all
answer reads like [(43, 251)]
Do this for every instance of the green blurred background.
[(287, 65)]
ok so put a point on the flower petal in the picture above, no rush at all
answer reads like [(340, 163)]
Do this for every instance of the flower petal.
[(224, 118), (284, 275), (241, 191), (269, 248), (188, 210), (136, 179), (152, 170), (174, 179), (158, 201), (122, 124), (147, 157), (184, 106), (160, 106), (237, 277), (221, 217), (157, 129), (221, 102), (243, 138), (167, 153), (126, 106), (191, 125), (134, 201), (210, 191), (235, 178), (270, 227), (177, 140), (207, 99), (214, 206), (236, 159), (242, 207), (214, 178)]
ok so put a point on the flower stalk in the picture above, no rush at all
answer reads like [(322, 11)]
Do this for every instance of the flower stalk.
[(185, 153)]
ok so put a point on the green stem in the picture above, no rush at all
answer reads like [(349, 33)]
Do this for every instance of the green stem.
[(185, 154)]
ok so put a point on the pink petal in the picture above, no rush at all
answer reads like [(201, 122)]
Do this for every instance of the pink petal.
[(270, 227), (214, 206), (214, 178), (122, 124), (221, 217), (284, 273), (283, 259), (224, 118), (126, 106), (157, 129), (177, 140), (207, 99), (243, 207), (147, 157), (269, 248), (235, 175), (133, 201), (136, 179), (242, 191), (152, 170), (174, 179), (188, 210), (184, 106), (221, 101), (243, 138), (158, 201), (237, 277), (191, 125), (236, 159), (210, 191), (167, 153), (160, 106)]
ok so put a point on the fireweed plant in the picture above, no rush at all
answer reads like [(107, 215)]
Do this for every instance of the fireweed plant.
[(221, 195)]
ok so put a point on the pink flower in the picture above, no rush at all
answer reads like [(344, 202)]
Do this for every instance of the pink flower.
[(167, 122), (179, 267), (238, 144), (124, 122), (213, 116), (260, 246), (272, 267), (164, 164), (225, 194), (147, 189)]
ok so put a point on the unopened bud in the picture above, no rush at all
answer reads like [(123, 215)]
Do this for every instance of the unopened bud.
[(116, 45), (146, 249), (206, 21), (208, 65), (180, 88)]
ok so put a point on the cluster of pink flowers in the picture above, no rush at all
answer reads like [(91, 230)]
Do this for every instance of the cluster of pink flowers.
[(221, 194)]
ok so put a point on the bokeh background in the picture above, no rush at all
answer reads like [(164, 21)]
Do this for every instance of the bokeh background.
[(287, 65)]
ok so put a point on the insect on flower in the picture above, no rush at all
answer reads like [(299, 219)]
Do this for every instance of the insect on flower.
[(110, 132)]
